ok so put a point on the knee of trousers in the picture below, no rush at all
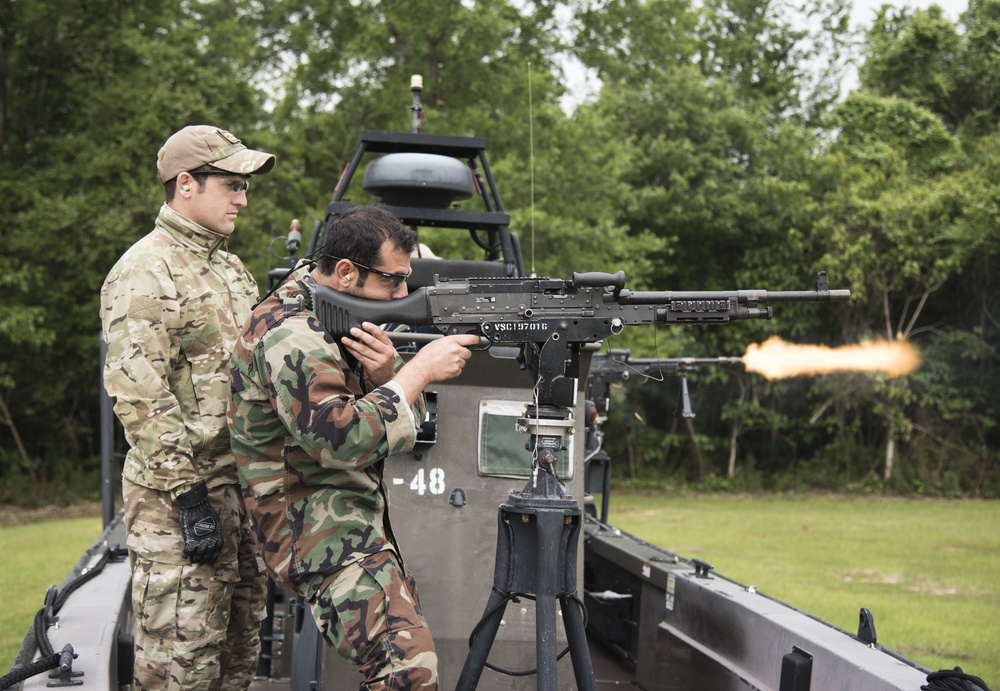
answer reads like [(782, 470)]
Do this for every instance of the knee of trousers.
[(402, 659)]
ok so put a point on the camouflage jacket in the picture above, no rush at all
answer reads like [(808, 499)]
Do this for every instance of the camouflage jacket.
[(310, 435), (171, 310)]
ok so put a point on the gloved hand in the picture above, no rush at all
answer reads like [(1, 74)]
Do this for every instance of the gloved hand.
[(200, 526)]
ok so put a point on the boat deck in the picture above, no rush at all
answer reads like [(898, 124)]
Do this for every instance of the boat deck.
[(609, 672)]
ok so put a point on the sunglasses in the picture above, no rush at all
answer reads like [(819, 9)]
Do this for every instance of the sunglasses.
[(392, 280), (234, 186), (241, 186)]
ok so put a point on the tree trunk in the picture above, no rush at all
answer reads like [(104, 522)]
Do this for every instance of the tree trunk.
[(8, 420), (731, 470), (670, 445), (631, 456), (890, 455)]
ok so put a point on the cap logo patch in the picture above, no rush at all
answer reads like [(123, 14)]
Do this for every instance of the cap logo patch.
[(228, 137)]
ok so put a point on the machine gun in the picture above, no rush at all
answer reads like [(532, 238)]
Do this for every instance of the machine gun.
[(551, 318), (616, 365)]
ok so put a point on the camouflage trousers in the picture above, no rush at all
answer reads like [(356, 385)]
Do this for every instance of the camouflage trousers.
[(197, 625), (370, 614)]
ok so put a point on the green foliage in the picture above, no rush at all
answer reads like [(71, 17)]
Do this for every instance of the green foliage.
[(914, 57), (33, 483), (923, 58), (90, 95), (717, 154), (22, 326)]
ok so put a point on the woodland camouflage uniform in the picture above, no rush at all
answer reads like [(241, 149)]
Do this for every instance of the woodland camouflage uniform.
[(171, 310), (310, 435)]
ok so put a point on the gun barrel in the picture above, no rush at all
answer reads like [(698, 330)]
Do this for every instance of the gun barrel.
[(687, 361), (744, 297), (809, 296)]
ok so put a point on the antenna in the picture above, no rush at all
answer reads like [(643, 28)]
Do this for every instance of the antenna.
[(531, 166), (417, 118)]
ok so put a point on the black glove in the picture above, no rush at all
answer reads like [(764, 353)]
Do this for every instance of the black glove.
[(200, 526)]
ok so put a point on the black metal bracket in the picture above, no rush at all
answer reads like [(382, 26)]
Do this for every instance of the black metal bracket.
[(65, 675), (49, 606), (702, 569), (866, 627), (458, 497)]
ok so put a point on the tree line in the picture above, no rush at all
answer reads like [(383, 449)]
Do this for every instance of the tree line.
[(719, 152)]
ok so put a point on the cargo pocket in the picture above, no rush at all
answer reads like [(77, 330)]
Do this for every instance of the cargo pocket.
[(347, 610), (182, 603), (205, 602), (155, 594)]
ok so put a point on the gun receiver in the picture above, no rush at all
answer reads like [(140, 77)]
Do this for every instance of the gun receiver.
[(586, 309)]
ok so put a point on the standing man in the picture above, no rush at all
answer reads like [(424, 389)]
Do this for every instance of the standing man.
[(171, 310), (312, 421)]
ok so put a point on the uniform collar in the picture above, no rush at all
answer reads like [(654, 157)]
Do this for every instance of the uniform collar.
[(188, 231)]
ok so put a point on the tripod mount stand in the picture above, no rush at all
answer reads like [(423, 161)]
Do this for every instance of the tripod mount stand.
[(538, 533)]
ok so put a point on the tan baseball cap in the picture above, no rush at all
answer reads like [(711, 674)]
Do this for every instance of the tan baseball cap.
[(200, 145)]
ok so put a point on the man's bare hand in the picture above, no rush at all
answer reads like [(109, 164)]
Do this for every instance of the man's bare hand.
[(440, 360), (373, 350), (445, 357)]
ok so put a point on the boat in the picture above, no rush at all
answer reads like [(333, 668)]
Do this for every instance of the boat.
[(525, 585)]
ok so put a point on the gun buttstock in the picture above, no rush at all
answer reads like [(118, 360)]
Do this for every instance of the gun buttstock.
[(339, 312)]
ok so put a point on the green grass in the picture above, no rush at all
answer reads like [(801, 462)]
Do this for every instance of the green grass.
[(35, 556), (928, 570)]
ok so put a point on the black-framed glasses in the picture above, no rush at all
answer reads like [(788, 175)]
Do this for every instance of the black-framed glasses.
[(394, 280)]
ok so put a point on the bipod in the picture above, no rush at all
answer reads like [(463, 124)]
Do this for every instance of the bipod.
[(538, 532)]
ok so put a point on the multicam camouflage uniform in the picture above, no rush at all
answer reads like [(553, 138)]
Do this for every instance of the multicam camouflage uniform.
[(172, 308), (310, 435)]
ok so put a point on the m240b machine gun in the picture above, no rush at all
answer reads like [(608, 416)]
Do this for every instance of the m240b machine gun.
[(550, 320), (550, 317), (617, 365)]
